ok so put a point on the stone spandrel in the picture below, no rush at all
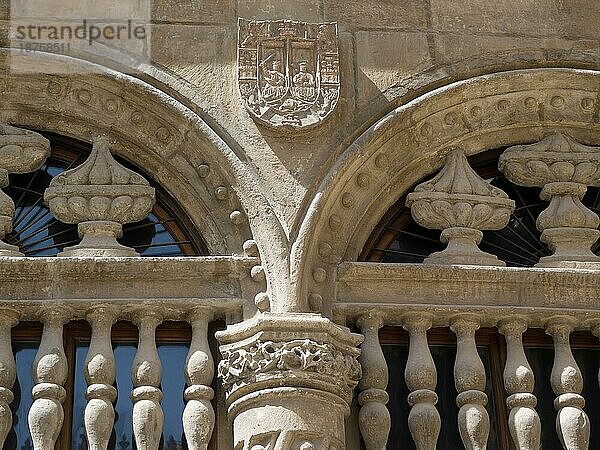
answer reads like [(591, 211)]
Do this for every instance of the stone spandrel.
[(288, 71)]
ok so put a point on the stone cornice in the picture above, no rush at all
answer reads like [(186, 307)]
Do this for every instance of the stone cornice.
[(493, 292), (213, 281)]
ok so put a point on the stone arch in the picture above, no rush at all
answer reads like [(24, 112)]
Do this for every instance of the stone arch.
[(156, 132), (411, 142), (148, 129)]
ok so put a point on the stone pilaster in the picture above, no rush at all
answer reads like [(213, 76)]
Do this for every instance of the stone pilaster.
[(289, 380)]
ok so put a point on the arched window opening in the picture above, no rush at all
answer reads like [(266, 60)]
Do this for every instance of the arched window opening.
[(399, 239), (167, 231)]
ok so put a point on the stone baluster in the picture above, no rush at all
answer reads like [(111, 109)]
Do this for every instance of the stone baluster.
[(523, 421), (99, 372), (21, 151), (146, 375), (198, 415), (469, 379), (572, 423), (50, 372), (461, 204), (563, 168), (100, 196), (8, 371), (421, 378), (374, 418), (595, 327)]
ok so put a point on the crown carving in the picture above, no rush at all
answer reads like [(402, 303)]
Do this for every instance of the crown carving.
[(461, 204), (100, 196), (21, 151)]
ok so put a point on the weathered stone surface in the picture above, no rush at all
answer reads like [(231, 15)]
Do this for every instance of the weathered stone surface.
[(357, 14), (386, 57), (202, 12), (527, 18), (85, 9), (213, 46), (306, 10), (452, 47)]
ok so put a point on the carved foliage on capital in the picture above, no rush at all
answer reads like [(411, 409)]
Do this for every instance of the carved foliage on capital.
[(288, 71), (302, 358)]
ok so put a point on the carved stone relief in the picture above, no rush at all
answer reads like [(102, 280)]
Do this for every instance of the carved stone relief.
[(288, 71)]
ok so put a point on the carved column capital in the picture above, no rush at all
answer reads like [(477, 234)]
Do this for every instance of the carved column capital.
[(301, 368)]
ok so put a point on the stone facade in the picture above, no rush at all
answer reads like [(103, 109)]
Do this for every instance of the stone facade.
[(285, 130)]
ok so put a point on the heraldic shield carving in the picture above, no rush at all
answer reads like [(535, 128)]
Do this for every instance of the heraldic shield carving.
[(288, 71)]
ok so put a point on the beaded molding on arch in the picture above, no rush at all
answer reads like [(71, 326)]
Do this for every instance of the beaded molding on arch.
[(136, 113)]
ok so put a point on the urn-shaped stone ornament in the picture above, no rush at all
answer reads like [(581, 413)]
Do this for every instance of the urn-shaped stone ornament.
[(563, 168), (21, 151), (100, 196), (461, 204)]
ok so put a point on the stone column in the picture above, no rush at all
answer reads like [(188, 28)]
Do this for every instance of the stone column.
[(289, 380)]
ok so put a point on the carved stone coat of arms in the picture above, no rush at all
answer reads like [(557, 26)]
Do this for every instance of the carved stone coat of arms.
[(288, 71)]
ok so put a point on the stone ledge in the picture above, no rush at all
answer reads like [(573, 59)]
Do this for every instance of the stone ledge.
[(398, 288), (214, 278)]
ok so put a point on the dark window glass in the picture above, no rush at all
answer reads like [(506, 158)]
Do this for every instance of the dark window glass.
[(172, 356)]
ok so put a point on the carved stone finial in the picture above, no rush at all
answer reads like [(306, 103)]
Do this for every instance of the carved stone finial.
[(100, 196), (460, 203), (563, 168), (288, 71), (21, 151)]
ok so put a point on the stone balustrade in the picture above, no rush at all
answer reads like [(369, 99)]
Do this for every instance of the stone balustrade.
[(566, 379), (275, 362), (50, 370)]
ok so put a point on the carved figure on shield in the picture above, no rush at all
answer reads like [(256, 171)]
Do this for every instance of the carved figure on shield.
[(274, 86), (304, 82), (288, 71)]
